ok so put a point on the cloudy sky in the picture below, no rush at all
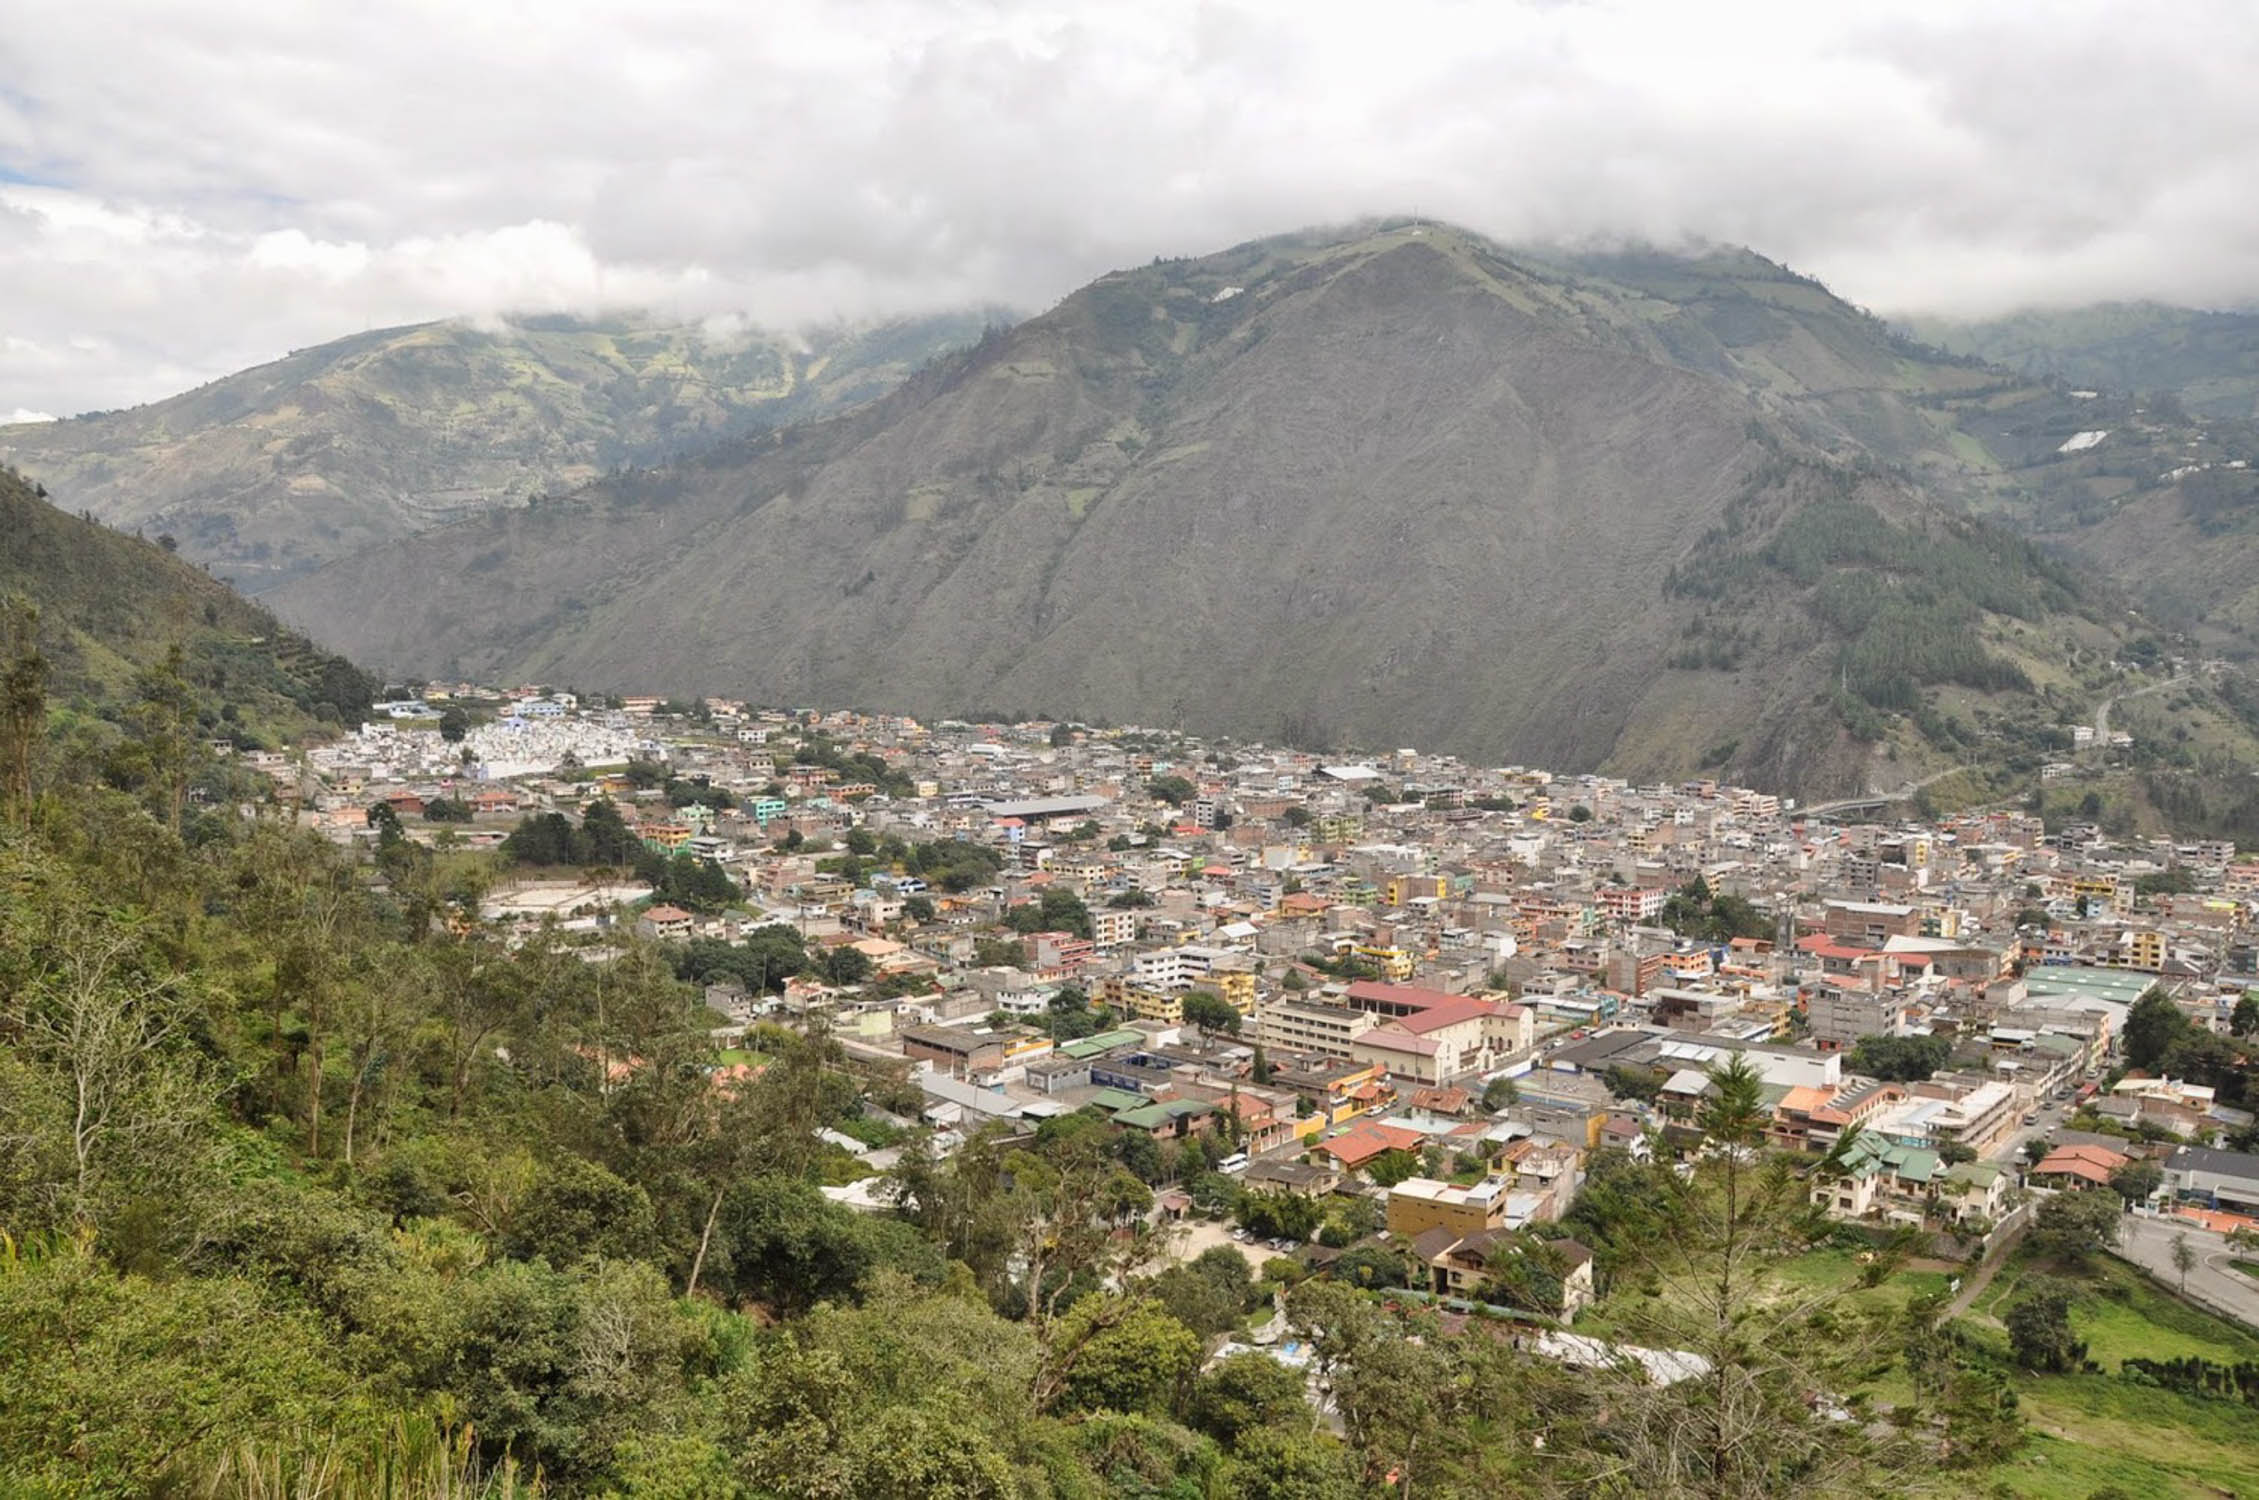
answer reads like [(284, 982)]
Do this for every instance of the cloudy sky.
[(191, 186)]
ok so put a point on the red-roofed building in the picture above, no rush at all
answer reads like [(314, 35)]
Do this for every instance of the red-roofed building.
[(1432, 1037), (2078, 1167), (1366, 1139), (665, 922)]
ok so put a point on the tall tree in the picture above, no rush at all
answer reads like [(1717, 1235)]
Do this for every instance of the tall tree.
[(23, 702), (1749, 1416)]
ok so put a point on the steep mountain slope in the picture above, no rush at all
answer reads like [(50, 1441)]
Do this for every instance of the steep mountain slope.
[(275, 470), (113, 606), (1394, 486)]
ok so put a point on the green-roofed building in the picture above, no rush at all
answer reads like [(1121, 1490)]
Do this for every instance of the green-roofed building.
[(1175, 1117), (1099, 1044), (1879, 1178), (2057, 983)]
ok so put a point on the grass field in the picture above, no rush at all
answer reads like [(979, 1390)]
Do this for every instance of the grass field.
[(2122, 1315), (2089, 1431), (2094, 1430)]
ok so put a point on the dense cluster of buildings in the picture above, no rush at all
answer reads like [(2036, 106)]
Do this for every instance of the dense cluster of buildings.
[(1390, 935)]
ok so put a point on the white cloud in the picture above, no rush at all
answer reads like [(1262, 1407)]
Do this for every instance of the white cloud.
[(236, 179), (26, 414)]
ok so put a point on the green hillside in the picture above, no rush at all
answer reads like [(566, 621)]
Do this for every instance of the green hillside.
[(112, 609), (275, 470), (2207, 361)]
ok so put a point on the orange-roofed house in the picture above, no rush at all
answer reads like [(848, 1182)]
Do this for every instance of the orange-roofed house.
[(1361, 1142), (1791, 1126), (2078, 1167)]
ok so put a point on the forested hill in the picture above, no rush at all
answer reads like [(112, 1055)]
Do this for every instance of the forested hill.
[(1387, 485), (112, 609), (274, 470)]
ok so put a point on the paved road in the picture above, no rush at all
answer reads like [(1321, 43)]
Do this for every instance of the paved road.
[(2148, 1243), (2009, 1151), (1823, 809)]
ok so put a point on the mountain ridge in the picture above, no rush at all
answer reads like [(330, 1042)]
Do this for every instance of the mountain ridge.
[(275, 470), (1398, 485)]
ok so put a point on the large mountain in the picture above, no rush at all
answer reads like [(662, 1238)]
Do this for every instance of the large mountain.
[(1395, 485), (2133, 450), (271, 472)]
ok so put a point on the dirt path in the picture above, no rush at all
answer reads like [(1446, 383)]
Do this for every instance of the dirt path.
[(1974, 1286)]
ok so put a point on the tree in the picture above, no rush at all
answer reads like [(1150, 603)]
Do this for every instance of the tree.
[(1210, 1294), (1174, 790), (23, 702), (2153, 1024), (2071, 1226), (2243, 1021), (161, 754), (847, 964), (1211, 1012), (1114, 1353), (1278, 1215), (96, 1007), (1982, 1423), (1633, 1083), (1580, 813), (1706, 1245), (2184, 1257), (454, 724), (1899, 1059), (1393, 1166), (1247, 1391), (1501, 1093), (447, 810), (2137, 1181), (918, 909), (1370, 1266), (2039, 1327)]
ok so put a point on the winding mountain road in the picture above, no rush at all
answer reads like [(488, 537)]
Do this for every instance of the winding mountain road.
[(2102, 709)]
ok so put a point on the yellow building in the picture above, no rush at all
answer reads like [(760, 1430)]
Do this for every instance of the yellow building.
[(2095, 887), (1419, 1204), (1237, 988), (1395, 964), (1153, 1005), (1026, 1046), (1403, 888), (2143, 948)]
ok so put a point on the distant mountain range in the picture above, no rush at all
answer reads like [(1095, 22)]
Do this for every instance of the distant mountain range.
[(269, 473), (2208, 361), (2157, 490), (1398, 484), (1645, 512)]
